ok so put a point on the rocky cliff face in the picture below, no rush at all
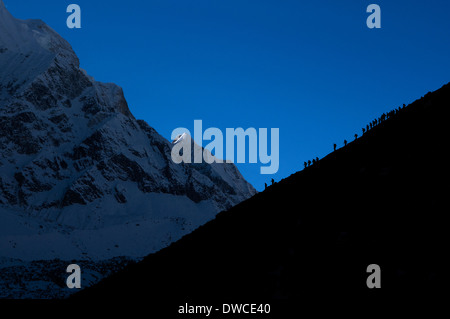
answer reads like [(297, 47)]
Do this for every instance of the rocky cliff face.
[(77, 167)]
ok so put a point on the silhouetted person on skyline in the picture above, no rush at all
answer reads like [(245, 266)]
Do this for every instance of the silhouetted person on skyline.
[(334, 146), (345, 142), (306, 164), (356, 136), (309, 163), (317, 159)]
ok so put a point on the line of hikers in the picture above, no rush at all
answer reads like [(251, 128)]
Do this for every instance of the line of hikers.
[(265, 184), (382, 118), (309, 163), (368, 127)]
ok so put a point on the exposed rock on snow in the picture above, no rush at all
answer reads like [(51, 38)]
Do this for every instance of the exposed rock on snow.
[(80, 177)]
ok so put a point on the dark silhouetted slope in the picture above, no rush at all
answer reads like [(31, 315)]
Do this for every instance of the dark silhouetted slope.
[(307, 240)]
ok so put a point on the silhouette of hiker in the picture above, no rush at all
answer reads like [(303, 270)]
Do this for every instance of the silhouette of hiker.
[(306, 164), (345, 142), (309, 163), (356, 136), (334, 146), (317, 159)]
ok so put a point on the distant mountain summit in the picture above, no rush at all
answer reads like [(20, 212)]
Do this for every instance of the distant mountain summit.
[(79, 175)]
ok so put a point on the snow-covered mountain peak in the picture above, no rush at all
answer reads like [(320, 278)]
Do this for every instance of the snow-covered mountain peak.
[(179, 138), (77, 168), (80, 177), (28, 48), (32, 35)]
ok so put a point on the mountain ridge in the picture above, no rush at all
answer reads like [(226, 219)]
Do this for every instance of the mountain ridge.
[(80, 177), (64, 92)]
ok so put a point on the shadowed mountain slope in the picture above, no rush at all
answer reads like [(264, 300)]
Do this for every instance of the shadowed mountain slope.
[(308, 239)]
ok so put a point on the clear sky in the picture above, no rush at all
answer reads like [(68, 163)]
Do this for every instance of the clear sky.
[(313, 69)]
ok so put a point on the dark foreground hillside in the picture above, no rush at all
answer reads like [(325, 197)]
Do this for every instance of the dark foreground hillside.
[(306, 242)]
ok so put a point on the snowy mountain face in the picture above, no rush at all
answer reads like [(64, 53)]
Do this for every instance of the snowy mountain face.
[(80, 177)]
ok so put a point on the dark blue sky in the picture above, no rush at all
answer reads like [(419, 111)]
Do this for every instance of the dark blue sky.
[(311, 68)]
